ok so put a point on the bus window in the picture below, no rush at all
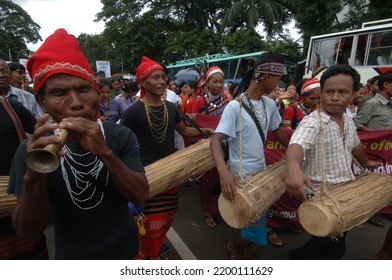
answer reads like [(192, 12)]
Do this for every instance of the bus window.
[(324, 53), (380, 49), (361, 50), (344, 51)]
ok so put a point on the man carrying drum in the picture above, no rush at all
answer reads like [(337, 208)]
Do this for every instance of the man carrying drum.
[(331, 133), (86, 197), (245, 131)]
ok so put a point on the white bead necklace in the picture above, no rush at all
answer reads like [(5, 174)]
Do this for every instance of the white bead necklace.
[(84, 191)]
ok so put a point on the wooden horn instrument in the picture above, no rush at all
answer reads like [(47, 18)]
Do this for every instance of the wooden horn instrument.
[(45, 160)]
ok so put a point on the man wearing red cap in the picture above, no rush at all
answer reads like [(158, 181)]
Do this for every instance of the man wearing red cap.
[(154, 120), (100, 170)]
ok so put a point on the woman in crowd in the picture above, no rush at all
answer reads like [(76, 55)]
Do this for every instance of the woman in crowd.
[(212, 103), (310, 99), (110, 109)]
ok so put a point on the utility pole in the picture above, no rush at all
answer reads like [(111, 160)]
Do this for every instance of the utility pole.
[(20, 51), (9, 53), (122, 66)]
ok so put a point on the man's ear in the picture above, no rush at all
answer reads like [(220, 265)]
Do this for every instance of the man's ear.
[(142, 82), (39, 97)]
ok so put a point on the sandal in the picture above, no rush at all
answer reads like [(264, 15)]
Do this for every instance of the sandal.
[(209, 220), (273, 238), (296, 229), (233, 254), (166, 253)]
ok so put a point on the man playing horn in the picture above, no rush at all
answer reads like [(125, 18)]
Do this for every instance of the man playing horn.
[(245, 131), (100, 170), (329, 132)]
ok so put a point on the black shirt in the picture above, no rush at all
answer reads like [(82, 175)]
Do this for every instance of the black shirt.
[(135, 118), (9, 140)]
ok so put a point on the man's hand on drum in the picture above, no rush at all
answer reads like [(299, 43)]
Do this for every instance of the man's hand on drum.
[(371, 165), (228, 185), (295, 180)]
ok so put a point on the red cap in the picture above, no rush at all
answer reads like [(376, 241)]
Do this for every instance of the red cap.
[(146, 67), (60, 53)]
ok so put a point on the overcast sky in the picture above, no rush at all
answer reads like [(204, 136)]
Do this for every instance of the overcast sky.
[(76, 16)]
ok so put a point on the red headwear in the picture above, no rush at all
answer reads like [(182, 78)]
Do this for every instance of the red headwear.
[(310, 85), (60, 53), (213, 70), (146, 67)]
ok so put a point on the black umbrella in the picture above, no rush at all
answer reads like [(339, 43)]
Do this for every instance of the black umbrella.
[(185, 75)]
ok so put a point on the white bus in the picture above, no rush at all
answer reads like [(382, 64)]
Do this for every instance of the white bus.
[(368, 50)]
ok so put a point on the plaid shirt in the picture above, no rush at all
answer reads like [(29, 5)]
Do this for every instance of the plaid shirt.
[(337, 147), (27, 99)]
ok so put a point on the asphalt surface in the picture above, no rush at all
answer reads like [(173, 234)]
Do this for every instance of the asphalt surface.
[(192, 239)]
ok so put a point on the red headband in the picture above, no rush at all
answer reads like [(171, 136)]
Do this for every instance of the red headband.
[(59, 54), (146, 67)]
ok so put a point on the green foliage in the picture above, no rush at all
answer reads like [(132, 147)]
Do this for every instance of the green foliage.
[(243, 40), (16, 29), (170, 30), (250, 13)]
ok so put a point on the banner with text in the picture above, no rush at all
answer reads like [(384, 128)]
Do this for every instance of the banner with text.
[(377, 146), (104, 66)]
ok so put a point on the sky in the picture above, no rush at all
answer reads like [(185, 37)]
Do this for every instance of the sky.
[(76, 16)]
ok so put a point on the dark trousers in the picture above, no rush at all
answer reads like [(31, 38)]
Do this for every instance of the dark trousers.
[(320, 248)]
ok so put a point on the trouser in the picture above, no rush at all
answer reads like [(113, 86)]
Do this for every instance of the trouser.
[(320, 248)]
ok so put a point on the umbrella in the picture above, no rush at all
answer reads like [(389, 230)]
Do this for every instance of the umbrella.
[(281, 85), (185, 75)]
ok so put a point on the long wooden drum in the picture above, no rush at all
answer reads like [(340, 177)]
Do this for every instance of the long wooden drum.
[(255, 196), (7, 201), (178, 167), (346, 206)]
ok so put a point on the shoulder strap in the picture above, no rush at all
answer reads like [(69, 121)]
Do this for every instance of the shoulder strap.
[(206, 111), (295, 119), (254, 118), (14, 117), (191, 122)]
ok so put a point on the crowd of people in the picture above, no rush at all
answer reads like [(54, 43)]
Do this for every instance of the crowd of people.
[(98, 198)]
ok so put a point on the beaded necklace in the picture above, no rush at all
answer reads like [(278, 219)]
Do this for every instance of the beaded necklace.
[(259, 113), (84, 192), (158, 121), (304, 110), (212, 98)]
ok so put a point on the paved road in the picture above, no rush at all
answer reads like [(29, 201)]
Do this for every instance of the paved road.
[(363, 242), (192, 239)]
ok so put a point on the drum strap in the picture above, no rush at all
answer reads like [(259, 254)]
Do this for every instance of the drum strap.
[(324, 185), (14, 117), (254, 118)]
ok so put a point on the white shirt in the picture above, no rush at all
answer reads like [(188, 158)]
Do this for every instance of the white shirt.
[(337, 147), (252, 148)]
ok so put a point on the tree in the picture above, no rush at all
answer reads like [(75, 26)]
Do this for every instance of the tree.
[(16, 30), (250, 13), (163, 30), (170, 30)]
